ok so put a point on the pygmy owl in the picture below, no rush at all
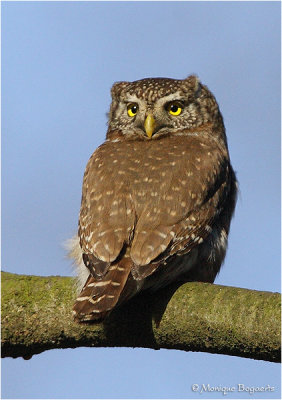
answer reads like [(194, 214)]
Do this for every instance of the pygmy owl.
[(157, 197)]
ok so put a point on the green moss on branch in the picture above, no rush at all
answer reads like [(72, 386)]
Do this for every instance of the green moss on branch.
[(36, 316)]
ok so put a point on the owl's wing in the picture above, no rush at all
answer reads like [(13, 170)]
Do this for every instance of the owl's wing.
[(195, 228), (106, 216), (187, 211)]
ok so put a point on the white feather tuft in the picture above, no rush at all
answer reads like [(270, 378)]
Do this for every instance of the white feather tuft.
[(74, 252)]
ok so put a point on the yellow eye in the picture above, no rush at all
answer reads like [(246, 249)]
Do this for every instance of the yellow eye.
[(174, 108), (132, 109)]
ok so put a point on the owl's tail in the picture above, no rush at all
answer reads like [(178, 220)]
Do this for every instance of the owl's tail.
[(99, 297)]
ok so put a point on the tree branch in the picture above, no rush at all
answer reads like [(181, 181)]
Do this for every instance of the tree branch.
[(36, 316)]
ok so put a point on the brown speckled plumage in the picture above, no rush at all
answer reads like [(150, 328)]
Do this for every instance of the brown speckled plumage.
[(155, 210)]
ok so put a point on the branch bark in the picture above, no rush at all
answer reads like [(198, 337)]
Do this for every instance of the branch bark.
[(36, 316)]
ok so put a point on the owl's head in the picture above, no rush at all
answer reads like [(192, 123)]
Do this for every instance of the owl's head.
[(155, 107)]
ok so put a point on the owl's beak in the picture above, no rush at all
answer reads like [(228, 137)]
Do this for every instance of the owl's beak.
[(149, 125)]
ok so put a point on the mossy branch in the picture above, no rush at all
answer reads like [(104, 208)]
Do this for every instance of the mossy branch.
[(36, 316)]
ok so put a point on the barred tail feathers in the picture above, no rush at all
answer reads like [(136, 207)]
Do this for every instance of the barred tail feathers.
[(99, 297)]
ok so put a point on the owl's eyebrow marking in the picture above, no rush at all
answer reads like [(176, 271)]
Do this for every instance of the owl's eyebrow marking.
[(178, 100), (172, 97), (131, 99)]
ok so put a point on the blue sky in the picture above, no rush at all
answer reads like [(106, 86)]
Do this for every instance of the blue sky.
[(59, 60)]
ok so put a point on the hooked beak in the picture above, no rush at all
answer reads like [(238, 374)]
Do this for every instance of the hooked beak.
[(149, 125)]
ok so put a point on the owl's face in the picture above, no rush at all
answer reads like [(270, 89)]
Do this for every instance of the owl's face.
[(155, 107)]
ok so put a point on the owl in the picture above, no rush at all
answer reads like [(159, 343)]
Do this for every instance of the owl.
[(158, 195)]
